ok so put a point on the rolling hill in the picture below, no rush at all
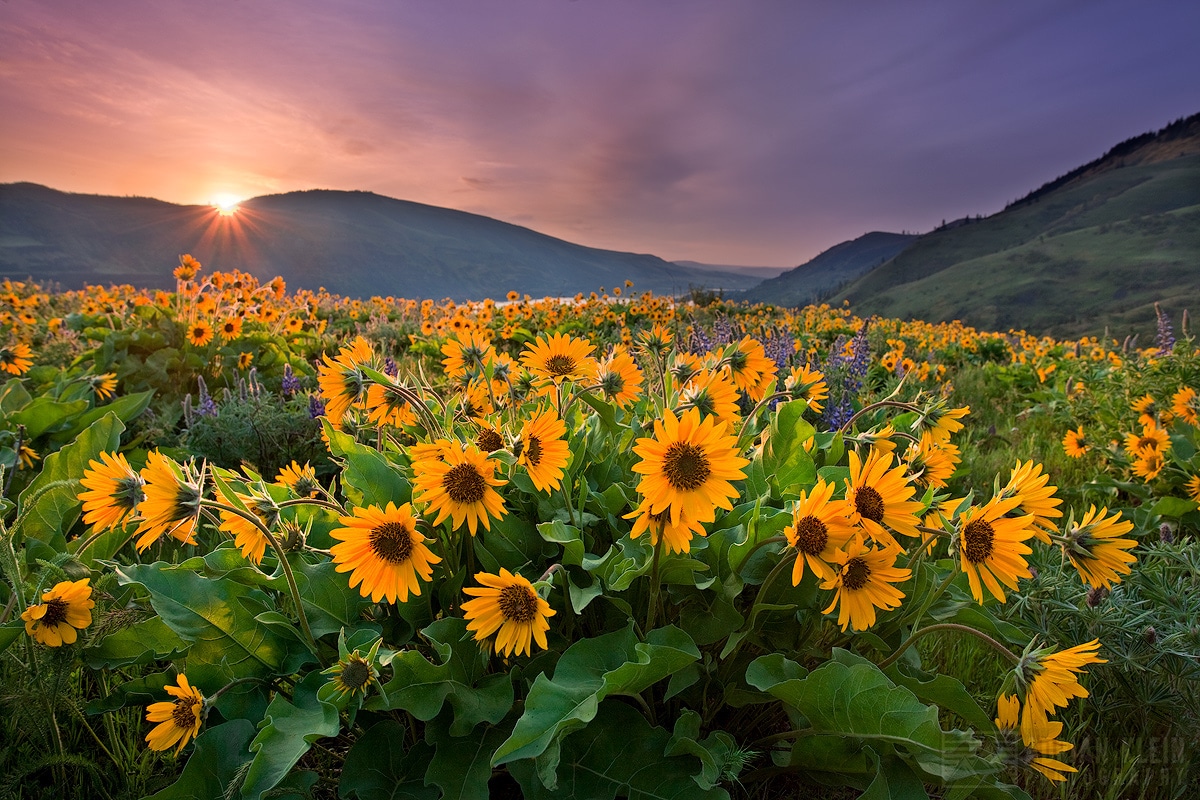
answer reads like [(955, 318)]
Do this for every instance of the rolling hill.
[(827, 272), (1089, 251), (353, 243)]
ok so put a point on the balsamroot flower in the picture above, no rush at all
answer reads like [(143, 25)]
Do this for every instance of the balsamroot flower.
[(542, 450), (179, 720), (879, 495), (64, 610), (171, 504), (458, 482), (677, 536), (1095, 549), (1039, 738), (820, 527), (862, 581), (1075, 443), (508, 604), (992, 549), (560, 357), (382, 550), (113, 493), (1048, 679)]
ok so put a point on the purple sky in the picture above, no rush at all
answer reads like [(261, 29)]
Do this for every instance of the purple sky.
[(726, 131)]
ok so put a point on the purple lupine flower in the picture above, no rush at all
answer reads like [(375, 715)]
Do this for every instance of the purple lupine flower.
[(1166, 336), (699, 342), (390, 367), (723, 332), (316, 408), (291, 384)]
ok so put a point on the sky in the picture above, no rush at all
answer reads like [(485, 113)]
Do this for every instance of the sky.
[(744, 132)]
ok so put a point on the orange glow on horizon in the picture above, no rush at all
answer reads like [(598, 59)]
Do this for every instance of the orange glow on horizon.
[(226, 204)]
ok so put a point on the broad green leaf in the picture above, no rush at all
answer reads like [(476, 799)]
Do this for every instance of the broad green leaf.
[(420, 687), (1173, 506), (45, 413), (10, 632), (590, 670), (125, 408), (50, 504), (566, 535), (894, 780), (370, 479), (461, 765), (227, 641), (286, 733), (214, 764), (861, 701), (716, 752), (788, 466), (140, 643), (379, 767), (329, 602), (619, 754), (14, 396)]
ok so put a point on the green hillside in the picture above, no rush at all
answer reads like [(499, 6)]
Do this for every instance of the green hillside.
[(1091, 251), (353, 243)]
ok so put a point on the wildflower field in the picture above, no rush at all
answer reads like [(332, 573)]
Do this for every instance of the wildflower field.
[(261, 544)]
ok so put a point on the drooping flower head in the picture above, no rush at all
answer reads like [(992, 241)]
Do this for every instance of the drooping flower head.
[(941, 421), (542, 450), (114, 492), (1034, 497), (300, 479), (387, 406), (619, 378), (382, 549), (808, 384), (1048, 680), (820, 527), (171, 504), (863, 581), (458, 482), (752, 372), (1038, 738), (1096, 549), (687, 466), (64, 610), (179, 720), (507, 603), (342, 381), (246, 535), (676, 537)]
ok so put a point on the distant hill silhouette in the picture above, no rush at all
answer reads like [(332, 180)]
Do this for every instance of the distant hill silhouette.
[(1090, 250), (353, 243), (818, 278)]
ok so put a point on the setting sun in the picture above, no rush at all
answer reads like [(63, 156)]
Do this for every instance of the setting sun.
[(226, 204)]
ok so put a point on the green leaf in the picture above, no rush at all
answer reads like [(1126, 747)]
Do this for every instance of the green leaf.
[(461, 765), (329, 602), (228, 642), (140, 643), (125, 408), (45, 413), (590, 670), (379, 768), (370, 479), (1174, 506), (788, 466), (861, 701), (219, 755), (618, 753), (287, 731), (50, 504), (10, 632), (717, 752), (420, 687), (894, 780), (566, 535)]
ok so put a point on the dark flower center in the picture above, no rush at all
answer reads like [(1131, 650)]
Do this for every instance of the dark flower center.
[(811, 535), (559, 365), (392, 542), (869, 503), (518, 604), (489, 441), (533, 451), (198, 332), (686, 466), (183, 716), (855, 574), (464, 484), (1146, 441), (56, 612), (355, 674), (978, 538)]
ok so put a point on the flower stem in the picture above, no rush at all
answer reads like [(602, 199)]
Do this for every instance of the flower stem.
[(875, 406), (949, 626)]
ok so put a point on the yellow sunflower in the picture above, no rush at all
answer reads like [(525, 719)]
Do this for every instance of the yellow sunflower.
[(930, 462), (879, 495), (677, 537), (114, 492), (862, 581), (808, 384), (1152, 437), (230, 328), (507, 603), (301, 480), (684, 367), (1147, 409), (103, 385), (1075, 443), (560, 357), (246, 535), (713, 394), (820, 527), (1193, 488), (16, 359), (200, 333), (1186, 406), (619, 378), (941, 421), (1038, 738), (489, 439), (1034, 497), (542, 450), (1148, 465), (1095, 549), (342, 382), (179, 719), (468, 352), (687, 466), (752, 372), (382, 549), (64, 609), (992, 547), (386, 406), (171, 502), (459, 483), (1048, 680)]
